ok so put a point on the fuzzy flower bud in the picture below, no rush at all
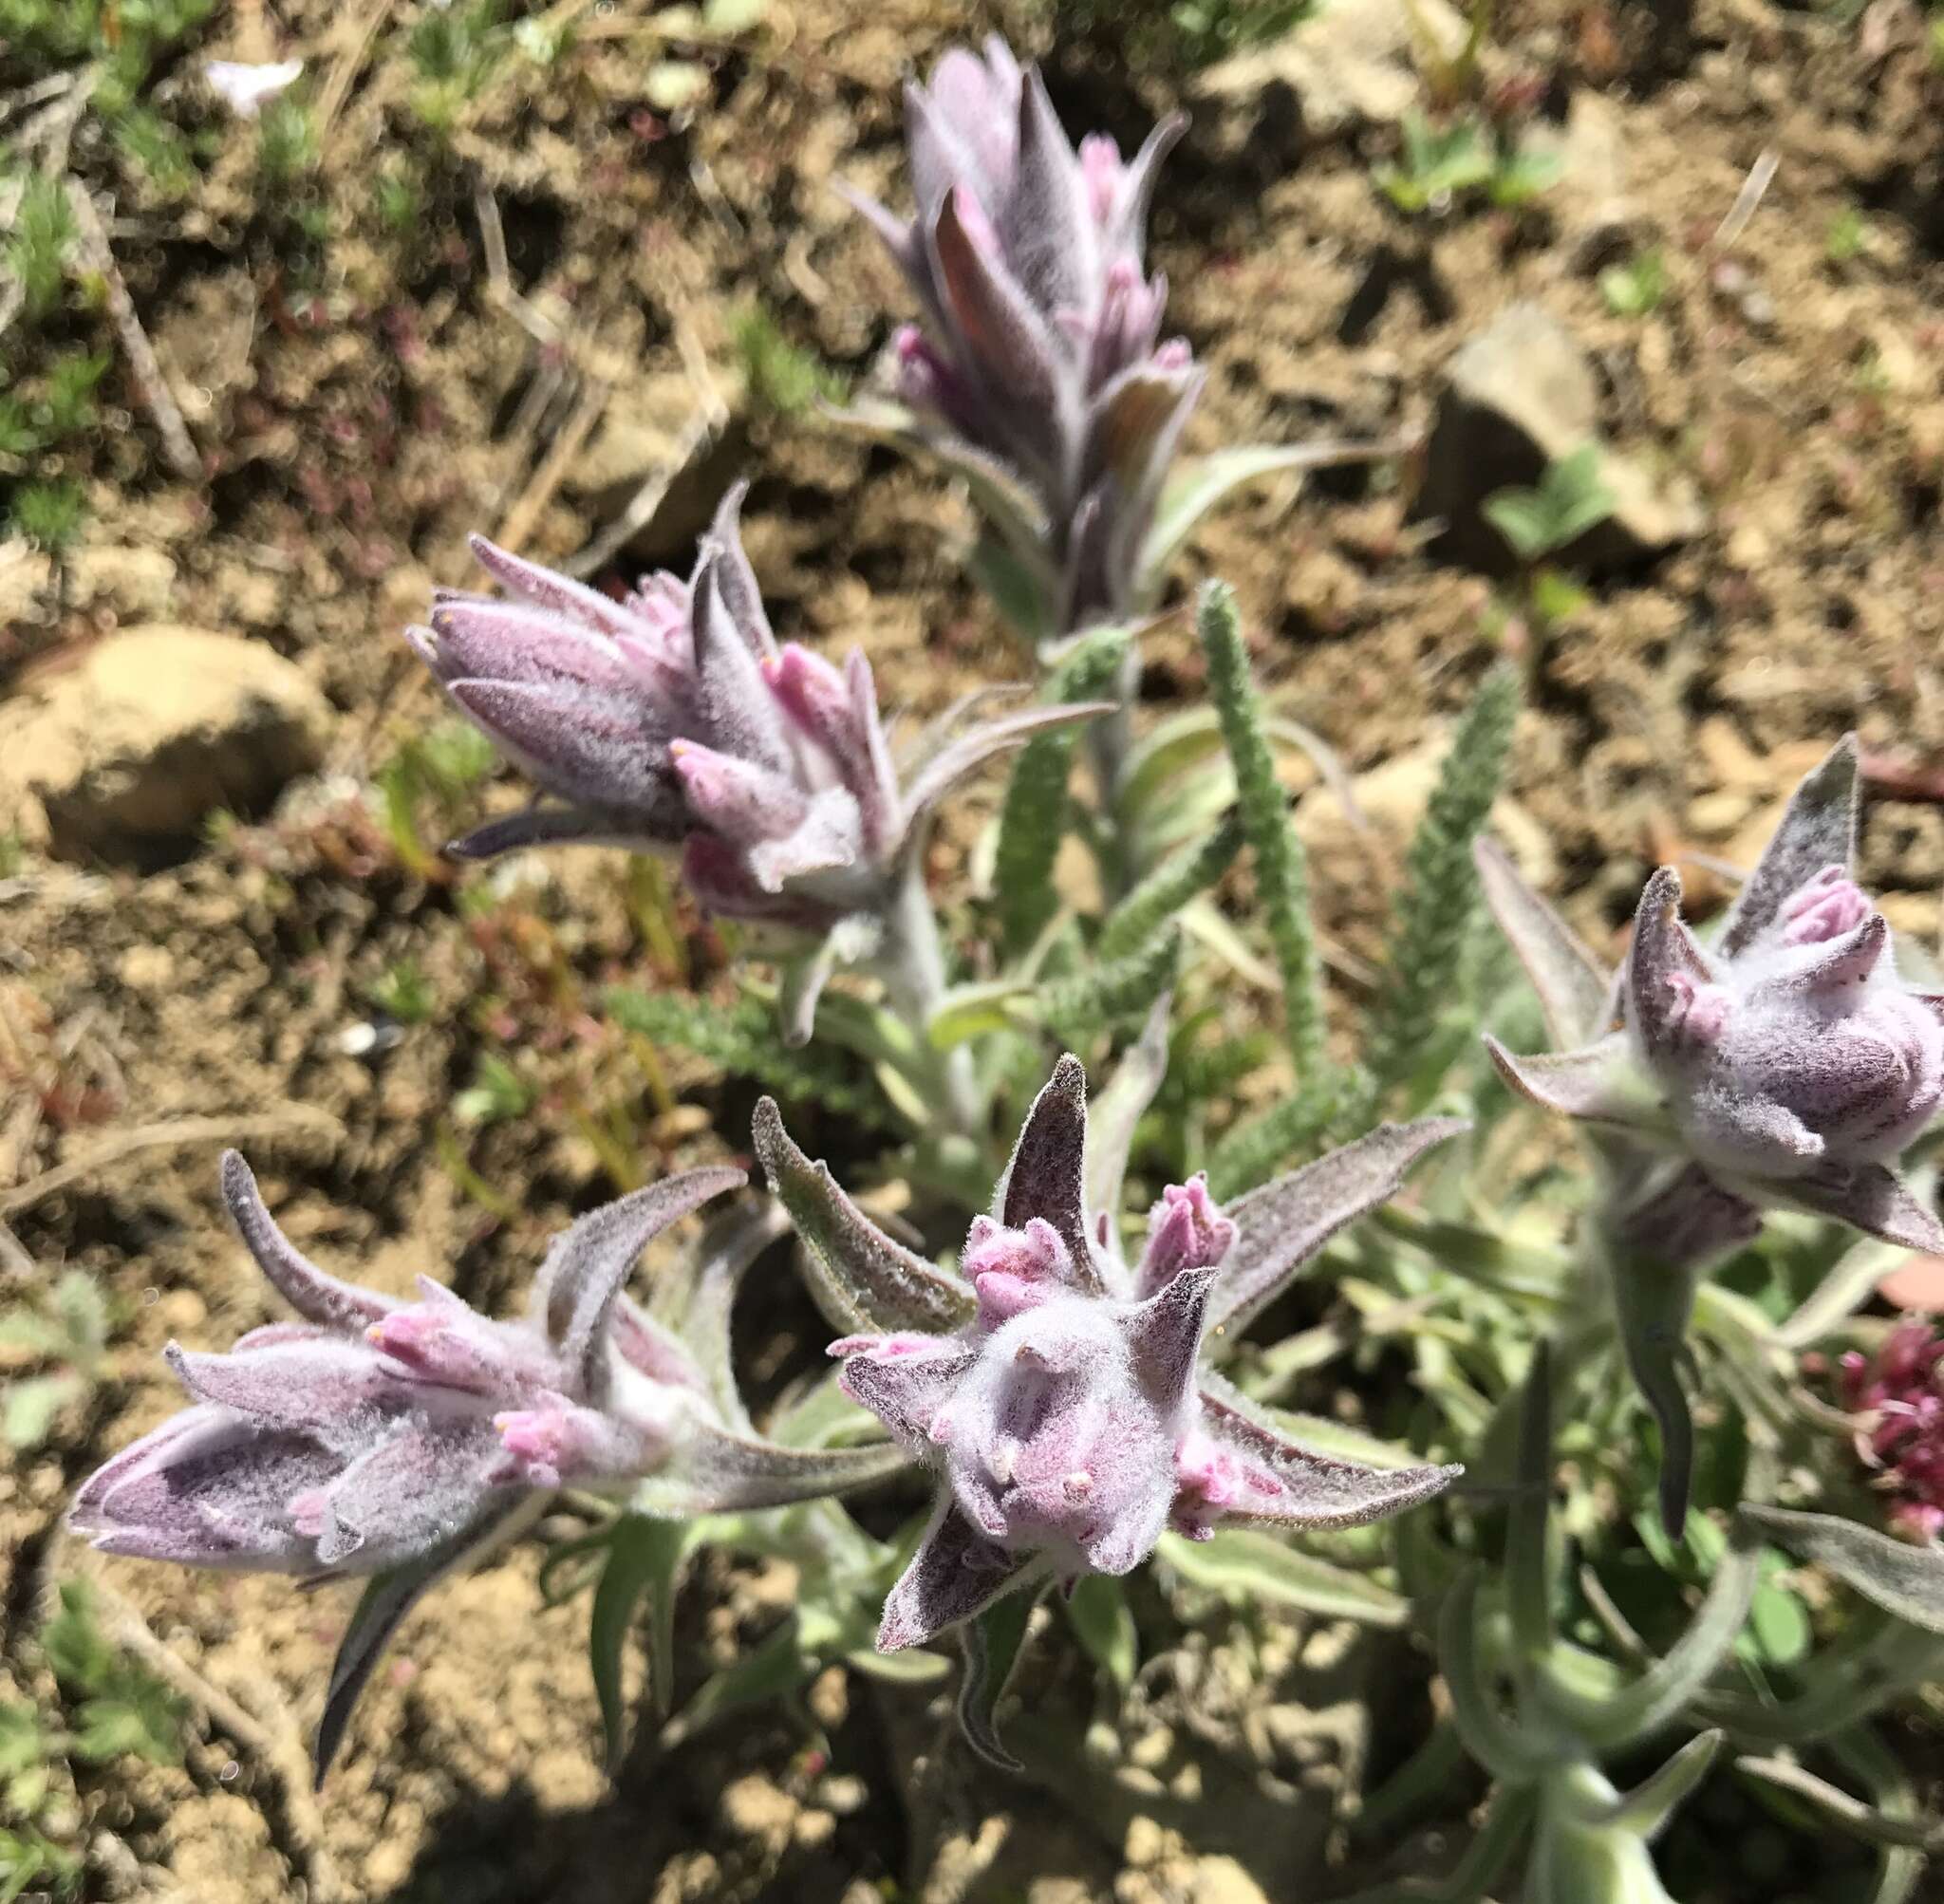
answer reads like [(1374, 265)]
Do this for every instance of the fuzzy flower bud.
[(1056, 1390), (1788, 1061), (375, 1436), (675, 722), (1041, 365), (375, 1430)]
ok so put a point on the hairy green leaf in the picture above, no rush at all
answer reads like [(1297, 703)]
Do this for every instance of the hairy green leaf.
[(1111, 993), (744, 1040), (1901, 1578), (1097, 1611), (993, 1641), (1241, 1563), (1282, 865), (1033, 817), (862, 1279), (1440, 892), (1153, 903)]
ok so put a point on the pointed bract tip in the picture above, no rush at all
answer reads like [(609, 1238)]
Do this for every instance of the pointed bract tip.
[(1661, 893)]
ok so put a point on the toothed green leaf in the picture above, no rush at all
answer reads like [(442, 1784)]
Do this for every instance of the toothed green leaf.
[(1282, 865), (1439, 897), (1034, 818)]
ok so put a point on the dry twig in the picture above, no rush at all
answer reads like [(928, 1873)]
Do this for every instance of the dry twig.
[(147, 372)]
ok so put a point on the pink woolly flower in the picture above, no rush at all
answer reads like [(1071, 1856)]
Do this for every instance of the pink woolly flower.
[(1042, 361), (1900, 1392), (375, 1436), (674, 720), (1788, 1061), (1056, 1390), (373, 1432)]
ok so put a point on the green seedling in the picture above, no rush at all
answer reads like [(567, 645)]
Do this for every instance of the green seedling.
[(67, 1329), (1636, 288)]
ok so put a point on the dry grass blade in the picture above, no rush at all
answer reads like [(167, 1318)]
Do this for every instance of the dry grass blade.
[(170, 1135)]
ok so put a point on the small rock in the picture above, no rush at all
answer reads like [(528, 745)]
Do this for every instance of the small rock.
[(1518, 397), (1589, 202), (652, 430), (1354, 63), (122, 757), (1221, 1880), (754, 1807), (1144, 1843)]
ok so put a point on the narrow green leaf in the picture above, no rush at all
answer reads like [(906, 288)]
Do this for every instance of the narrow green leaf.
[(1528, 1579), (968, 1012), (993, 1641), (1653, 1302), (744, 1040), (1153, 903), (862, 1278), (1097, 1611), (1638, 1711), (911, 1667), (1844, 1290), (1506, 1752), (825, 1416), (1902, 1578), (1646, 1809), (1111, 993), (383, 1606), (778, 1667), (1198, 483), (1114, 1112), (1241, 1563), (1017, 589), (1506, 1826), (1440, 893), (1842, 1810), (644, 1558), (1256, 1150)]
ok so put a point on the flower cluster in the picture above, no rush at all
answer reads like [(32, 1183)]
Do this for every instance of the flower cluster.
[(377, 1436), (674, 720), (1787, 1064), (1900, 1392), (372, 1429), (1040, 372), (1061, 1392)]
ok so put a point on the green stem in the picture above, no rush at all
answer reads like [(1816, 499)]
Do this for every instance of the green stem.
[(1109, 745), (912, 965)]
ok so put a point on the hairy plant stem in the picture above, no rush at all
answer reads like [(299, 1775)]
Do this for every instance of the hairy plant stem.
[(912, 965), (1109, 745)]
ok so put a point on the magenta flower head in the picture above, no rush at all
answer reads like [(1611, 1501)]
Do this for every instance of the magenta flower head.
[(1058, 1392), (675, 722), (379, 1437), (1040, 372), (1900, 1393), (1787, 1063)]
